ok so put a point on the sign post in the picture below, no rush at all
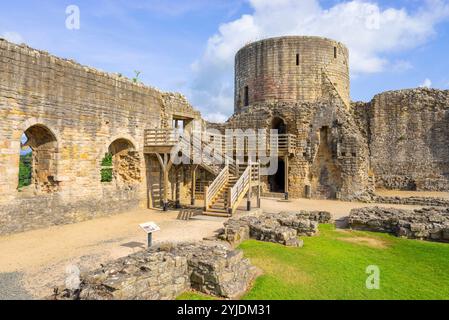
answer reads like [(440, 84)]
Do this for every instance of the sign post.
[(149, 228)]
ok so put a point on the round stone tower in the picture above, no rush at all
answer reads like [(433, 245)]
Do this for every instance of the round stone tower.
[(291, 69)]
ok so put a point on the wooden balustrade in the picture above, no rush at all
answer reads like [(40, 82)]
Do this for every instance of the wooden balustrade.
[(213, 190), (161, 137), (238, 191)]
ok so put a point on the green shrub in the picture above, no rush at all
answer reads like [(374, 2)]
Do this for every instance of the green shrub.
[(106, 175), (107, 160)]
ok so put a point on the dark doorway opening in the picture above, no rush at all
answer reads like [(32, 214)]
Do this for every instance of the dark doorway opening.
[(277, 181), (279, 125)]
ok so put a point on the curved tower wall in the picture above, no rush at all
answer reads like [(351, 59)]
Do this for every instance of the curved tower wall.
[(291, 69)]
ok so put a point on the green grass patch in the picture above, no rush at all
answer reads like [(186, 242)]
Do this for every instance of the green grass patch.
[(333, 266), (195, 296)]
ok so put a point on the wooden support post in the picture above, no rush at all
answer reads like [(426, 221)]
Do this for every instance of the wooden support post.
[(193, 184), (230, 208), (286, 176), (206, 204), (248, 202), (165, 200), (166, 166), (177, 189)]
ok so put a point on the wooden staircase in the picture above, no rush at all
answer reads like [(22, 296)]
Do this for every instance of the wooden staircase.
[(233, 181), (225, 194), (220, 203)]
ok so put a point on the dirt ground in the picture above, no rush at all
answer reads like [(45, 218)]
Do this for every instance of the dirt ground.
[(41, 256), (35, 261)]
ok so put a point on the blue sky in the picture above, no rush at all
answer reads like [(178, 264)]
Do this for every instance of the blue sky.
[(188, 46)]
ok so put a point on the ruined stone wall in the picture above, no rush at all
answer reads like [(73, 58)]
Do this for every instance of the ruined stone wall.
[(331, 154), (291, 69), (83, 111), (430, 224), (165, 272), (408, 133)]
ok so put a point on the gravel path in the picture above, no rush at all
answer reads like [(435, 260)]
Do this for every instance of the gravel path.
[(11, 287)]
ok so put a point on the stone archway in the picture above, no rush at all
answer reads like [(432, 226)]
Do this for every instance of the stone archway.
[(126, 168), (42, 146)]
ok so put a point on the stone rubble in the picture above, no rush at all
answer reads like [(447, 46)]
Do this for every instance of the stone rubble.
[(413, 201), (216, 270), (425, 224), (165, 272), (283, 228)]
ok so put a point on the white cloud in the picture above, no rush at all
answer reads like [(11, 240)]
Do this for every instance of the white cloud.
[(370, 32), (13, 37), (426, 84), (216, 117)]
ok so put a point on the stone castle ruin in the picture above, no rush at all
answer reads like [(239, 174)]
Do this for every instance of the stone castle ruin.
[(101, 144)]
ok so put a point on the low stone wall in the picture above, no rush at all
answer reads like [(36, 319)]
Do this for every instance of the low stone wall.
[(424, 224), (318, 216), (283, 228), (141, 276), (30, 213), (417, 201), (216, 270), (165, 272)]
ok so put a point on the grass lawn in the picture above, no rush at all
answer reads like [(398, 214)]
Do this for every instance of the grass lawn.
[(333, 266)]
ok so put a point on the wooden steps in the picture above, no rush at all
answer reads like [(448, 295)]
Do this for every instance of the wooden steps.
[(219, 203), (217, 213)]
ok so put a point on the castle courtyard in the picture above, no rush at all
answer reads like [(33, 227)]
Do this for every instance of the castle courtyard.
[(32, 262), (112, 189)]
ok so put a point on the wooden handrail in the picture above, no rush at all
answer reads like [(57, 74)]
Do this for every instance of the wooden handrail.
[(212, 191), (286, 143), (239, 190)]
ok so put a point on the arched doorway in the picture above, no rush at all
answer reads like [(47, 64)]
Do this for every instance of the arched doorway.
[(38, 160), (279, 125), (121, 164)]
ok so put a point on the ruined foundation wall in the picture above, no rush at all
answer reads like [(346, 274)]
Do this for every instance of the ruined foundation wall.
[(85, 111), (408, 133)]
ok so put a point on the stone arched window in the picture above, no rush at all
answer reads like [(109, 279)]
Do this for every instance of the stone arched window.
[(123, 161), (38, 160)]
